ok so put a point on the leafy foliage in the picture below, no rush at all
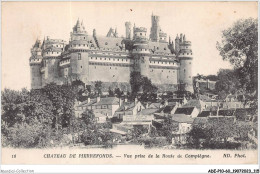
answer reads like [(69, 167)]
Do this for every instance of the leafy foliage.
[(228, 84), (239, 46), (143, 85)]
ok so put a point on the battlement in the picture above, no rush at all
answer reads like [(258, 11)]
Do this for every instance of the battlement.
[(186, 43), (35, 61), (64, 62), (140, 29), (162, 34)]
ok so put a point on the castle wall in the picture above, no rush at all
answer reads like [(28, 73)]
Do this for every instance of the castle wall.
[(51, 70), (160, 75), (79, 66), (36, 79), (186, 71), (141, 64), (109, 73)]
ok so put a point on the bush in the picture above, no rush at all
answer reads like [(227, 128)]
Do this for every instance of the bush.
[(154, 141)]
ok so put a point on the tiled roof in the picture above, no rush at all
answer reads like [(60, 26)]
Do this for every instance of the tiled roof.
[(85, 103), (148, 111), (182, 118), (157, 105), (109, 42), (168, 109), (195, 103), (108, 101), (184, 110), (126, 106)]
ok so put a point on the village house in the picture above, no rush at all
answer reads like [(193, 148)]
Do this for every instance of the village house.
[(182, 125), (199, 104), (192, 112), (128, 108), (105, 106)]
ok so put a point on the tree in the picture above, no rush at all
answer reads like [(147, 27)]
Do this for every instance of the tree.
[(136, 83), (239, 46), (98, 87), (110, 92), (228, 82), (198, 135), (142, 84), (118, 93)]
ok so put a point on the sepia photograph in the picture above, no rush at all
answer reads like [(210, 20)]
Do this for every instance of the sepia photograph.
[(129, 83)]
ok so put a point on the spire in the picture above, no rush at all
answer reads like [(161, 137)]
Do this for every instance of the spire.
[(184, 38), (177, 37), (116, 34), (94, 33)]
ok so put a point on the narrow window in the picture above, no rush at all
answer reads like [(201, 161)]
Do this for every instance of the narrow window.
[(79, 56)]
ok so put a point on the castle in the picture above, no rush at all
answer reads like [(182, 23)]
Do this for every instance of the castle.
[(111, 59)]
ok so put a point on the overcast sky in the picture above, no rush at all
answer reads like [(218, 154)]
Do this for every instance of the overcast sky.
[(201, 22)]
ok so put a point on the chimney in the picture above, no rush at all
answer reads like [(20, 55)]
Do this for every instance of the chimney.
[(120, 102), (126, 99), (136, 100), (166, 103), (98, 99), (146, 107), (88, 99)]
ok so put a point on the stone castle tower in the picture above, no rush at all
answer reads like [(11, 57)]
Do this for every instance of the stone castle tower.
[(35, 65), (184, 53), (140, 52), (111, 59)]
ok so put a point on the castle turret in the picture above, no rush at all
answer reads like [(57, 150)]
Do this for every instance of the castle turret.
[(51, 58), (140, 51), (185, 58), (128, 30), (80, 42), (155, 29), (177, 44), (35, 65)]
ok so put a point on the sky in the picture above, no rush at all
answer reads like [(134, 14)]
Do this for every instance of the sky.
[(201, 22)]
